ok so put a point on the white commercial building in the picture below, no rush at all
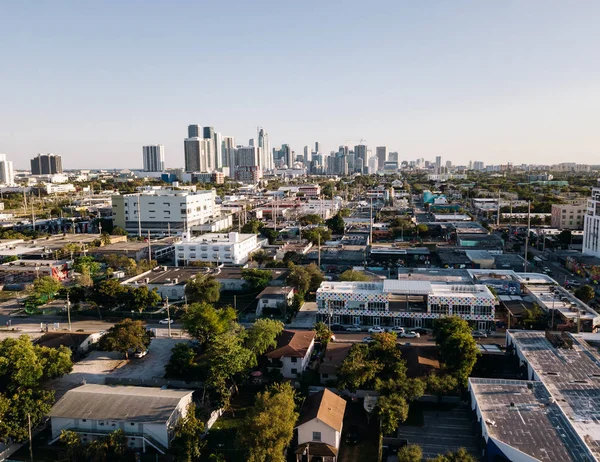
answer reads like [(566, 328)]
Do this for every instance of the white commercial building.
[(404, 303), (568, 216), (232, 248), (7, 176), (160, 211), (591, 225), (154, 158)]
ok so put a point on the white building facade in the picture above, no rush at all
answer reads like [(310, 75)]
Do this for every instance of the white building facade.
[(232, 248), (154, 158), (404, 303), (7, 176), (159, 211), (591, 225)]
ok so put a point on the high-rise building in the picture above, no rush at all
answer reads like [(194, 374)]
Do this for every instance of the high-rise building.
[(227, 145), (245, 166), (287, 155), (393, 157), (438, 164), (478, 165), (46, 164), (209, 135), (591, 224), (193, 131), (307, 154), (266, 162), (7, 176), (217, 150), (381, 156), (197, 152), (317, 146), (154, 158)]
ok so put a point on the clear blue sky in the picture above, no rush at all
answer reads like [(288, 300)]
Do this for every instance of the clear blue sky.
[(495, 81)]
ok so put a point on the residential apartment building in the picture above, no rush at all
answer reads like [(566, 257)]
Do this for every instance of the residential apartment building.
[(7, 176), (591, 225), (232, 248), (381, 154), (159, 211), (404, 303), (568, 216), (46, 164), (154, 158)]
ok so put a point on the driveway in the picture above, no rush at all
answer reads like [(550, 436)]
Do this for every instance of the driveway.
[(153, 364)]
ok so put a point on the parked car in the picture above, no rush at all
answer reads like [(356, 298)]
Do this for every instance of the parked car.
[(376, 330), (166, 321), (141, 353), (354, 328), (479, 334), (422, 330), (337, 328), (352, 435), (396, 329), (410, 335), (368, 339)]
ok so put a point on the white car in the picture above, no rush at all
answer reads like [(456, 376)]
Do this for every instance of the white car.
[(166, 321), (409, 335), (141, 353), (396, 329), (354, 328), (376, 330)]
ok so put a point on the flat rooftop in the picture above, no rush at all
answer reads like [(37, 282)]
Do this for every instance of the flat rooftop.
[(561, 300), (572, 378), (350, 287), (511, 409), (438, 275)]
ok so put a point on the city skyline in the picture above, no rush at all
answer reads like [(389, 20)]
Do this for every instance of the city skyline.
[(496, 83)]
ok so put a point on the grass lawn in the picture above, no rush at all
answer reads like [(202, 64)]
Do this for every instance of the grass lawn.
[(221, 437)]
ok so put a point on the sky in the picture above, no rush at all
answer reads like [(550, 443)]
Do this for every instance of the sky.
[(496, 81)]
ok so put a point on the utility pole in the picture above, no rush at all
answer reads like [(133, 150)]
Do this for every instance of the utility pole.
[(498, 211), (528, 231), (319, 249), (139, 214), (69, 311), (371, 223), (168, 317), (149, 248)]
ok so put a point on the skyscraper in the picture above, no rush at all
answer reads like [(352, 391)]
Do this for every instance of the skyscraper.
[(7, 176), (393, 157), (360, 157), (46, 164), (246, 166), (209, 135), (266, 162), (227, 145), (307, 153), (591, 225), (381, 156), (438, 164), (154, 158), (317, 147), (287, 155), (193, 131), (197, 151)]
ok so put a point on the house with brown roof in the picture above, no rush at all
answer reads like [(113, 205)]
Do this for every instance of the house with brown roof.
[(320, 427), (292, 354), (333, 358)]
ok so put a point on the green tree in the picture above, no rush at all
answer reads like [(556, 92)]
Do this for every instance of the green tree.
[(533, 317), (182, 363), (142, 298), (352, 275), (260, 257), (125, 336), (410, 453), (187, 443), (317, 235), (422, 229), (204, 322), (323, 334), (271, 234), (564, 238), (305, 278), (110, 290), (269, 426), (227, 357), (203, 289), (82, 264), (391, 410), (310, 219), (358, 368), (336, 224), (46, 287), (458, 349), (118, 231), (256, 280), (252, 227), (460, 455), (441, 385), (262, 335), (585, 293), (105, 239)]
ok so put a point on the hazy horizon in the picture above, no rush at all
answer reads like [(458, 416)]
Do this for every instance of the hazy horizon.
[(497, 82)]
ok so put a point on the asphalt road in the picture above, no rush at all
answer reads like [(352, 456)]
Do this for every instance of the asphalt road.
[(423, 340)]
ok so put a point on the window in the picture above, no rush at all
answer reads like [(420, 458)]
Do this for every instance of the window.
[(325, 376), (294, 371), (316, 436), (482, 310), (294, 360), (376, 306), (461, 309), (183, 211), (336, 304)]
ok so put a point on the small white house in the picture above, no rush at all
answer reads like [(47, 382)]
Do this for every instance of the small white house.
[(320, 426), (293, 351), (275, 298), (147, 416)]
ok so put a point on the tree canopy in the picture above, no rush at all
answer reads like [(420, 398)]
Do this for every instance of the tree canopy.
[(585, 293), (336, 224), (310, 219), (269, 426), (204, 322), (317, 235), (262, 335), (305, 278), (352, 275), (46, 287), (256, 279), (126, 336), (203, 289), (458, 348), (187, 443)]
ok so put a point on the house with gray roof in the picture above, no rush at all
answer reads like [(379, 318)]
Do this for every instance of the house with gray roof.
[(147, 416)]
